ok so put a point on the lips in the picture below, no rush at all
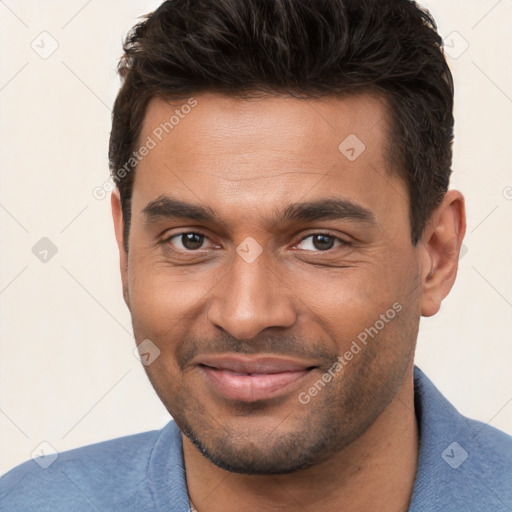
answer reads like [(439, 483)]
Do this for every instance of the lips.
[(252, 378)]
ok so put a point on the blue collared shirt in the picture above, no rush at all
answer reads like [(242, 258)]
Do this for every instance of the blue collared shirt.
[(463, 465)]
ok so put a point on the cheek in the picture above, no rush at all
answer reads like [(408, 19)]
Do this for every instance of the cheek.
[(350, 296), (162, 298), (347, 302)]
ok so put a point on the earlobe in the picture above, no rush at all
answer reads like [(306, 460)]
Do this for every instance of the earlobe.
[(440, 248)]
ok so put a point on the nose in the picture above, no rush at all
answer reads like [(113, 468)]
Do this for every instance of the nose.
[(252, 297)]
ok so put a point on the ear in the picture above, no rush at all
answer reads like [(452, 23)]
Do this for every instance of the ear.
[(439, 251), (117, 215)]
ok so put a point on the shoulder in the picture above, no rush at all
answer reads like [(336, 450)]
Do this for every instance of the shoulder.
[(87, 478), (477, 468), (491, 451), (463, 463)]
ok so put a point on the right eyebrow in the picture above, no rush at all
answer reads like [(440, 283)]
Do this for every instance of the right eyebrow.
[(167, 207)]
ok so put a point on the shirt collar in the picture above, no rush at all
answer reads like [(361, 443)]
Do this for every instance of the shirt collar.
[(458, 459), (451, 469)]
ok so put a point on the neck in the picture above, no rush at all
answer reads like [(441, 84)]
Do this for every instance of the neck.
[(375, 472)]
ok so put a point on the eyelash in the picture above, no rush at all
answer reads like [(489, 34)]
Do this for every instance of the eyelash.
[(341, 241)]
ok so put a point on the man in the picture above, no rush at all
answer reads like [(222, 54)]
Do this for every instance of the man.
[(283, 220)]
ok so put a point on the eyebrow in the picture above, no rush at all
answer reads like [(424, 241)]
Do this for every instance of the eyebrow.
[(168, 207)]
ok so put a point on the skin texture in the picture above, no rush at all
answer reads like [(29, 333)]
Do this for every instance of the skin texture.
[(354, 445)]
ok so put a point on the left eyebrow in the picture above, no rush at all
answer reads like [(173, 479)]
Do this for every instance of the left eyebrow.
[(325, 209)]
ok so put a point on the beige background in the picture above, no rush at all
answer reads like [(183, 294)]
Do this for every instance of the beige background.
[(68, 373)]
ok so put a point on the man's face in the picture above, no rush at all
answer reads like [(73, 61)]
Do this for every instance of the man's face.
[(258, 298)]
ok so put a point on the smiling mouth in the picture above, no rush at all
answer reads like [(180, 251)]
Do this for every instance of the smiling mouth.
[(253, 380)]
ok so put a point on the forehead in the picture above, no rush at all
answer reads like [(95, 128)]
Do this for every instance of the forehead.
[(295, 127), (231, 152)]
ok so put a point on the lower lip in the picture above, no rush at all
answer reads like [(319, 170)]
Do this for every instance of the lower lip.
[(254, 387)]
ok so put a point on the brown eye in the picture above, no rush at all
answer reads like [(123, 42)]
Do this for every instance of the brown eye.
[(323, 242), (187, 241), (320, 242)]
